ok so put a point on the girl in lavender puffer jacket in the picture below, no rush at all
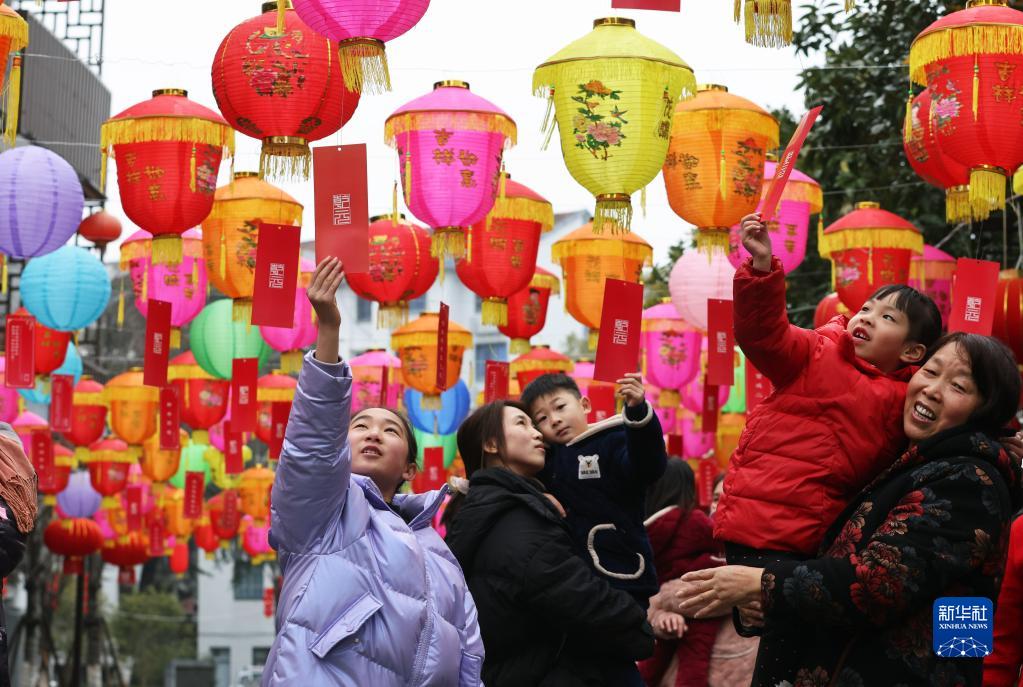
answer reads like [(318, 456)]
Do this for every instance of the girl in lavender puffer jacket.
[(371, 595)]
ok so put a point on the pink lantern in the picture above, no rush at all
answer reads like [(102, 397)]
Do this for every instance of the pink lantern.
[(136, 251), (290, 341), (182, 285), (671, 352), (583, 376), (932, 273), (695, 444), (136, 478), (217, 432), (256, 540), (692, 395), (8, 397), (697, 277), (26, 423), (367, 379), (450, 144)]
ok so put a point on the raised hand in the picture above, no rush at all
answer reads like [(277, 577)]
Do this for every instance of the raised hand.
[(322, 293), (757, 241), (630, 388)]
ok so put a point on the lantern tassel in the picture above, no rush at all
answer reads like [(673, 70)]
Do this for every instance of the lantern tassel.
[(282, 7), (547, 128), (723, 174), (447, 241), (408, 177), (392, 316), (870, 265), (191, 171), (3, 274), (287, 160), (175, 338), (145, 286), (241, 310), (850, 5), (976, 88), (614, 212), (495, 312), (737, 10), (13, 101), (364, 65), (957, 205), (907, 132), (520, 346), (120, 305), (710, 240), (769, 23), (987, 189), (291, 361), (591, 340), (394, 205)]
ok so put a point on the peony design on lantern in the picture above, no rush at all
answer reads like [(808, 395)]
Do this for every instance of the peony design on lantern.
[(539, 361), (284, 88), (88, 417), (829, 307), (401, 268), (376, 380), (13, 39), (231, 233), (101, 228), (527, 310), (714, 170), (868, 248), (133, 409), (290, 341), (450, 144), (416, 346), (74, 539), (217, 339), (108, 464), (972, 61), (168, 151), (613, 92), (587, 258), (671, 351), (501, 253), (183, 285), (694, 279), (67, 289), (932, 273), (203, 398)]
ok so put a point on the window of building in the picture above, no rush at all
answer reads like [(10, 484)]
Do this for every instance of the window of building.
[(363, 310), (259, 655), (248, 582), (490, 351), (221, 666)]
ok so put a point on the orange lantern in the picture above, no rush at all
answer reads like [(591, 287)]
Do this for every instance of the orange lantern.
[(868, 248), (231, 231), (586, 259), (126, 552), (108, 465), (88, 416), (160, 464), (174, 513), (416, 345), (254, 490), (133, 408), (714, 170), (539, 361), (203, 397), (272, 388), (73, 538), (1008, 325), (527, 310)]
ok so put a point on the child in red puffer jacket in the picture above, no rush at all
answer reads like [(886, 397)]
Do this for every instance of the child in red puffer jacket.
[(1002, 667)]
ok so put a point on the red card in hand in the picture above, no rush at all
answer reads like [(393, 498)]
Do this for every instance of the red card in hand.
[(194, 485), (758, 387), (233, 458), (442, 346), (276, 277), (710, 408), (170, 418), (20, 362), (61, 396), (602, 402), (497, 374), (661, 5), (244, 373), (974, 286), (721, 340), (433, 468), (342, 206), (279, 412), (158, 326), (618, 345), (786, 163)]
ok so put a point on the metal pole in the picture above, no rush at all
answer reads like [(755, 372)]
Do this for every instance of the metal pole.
[(76, 651)]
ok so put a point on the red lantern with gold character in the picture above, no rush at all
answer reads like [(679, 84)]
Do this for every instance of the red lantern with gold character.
[(203, 398), (49, 344), (527, 310), (73, 538), (108, 464), (539, 361), (88, 416)]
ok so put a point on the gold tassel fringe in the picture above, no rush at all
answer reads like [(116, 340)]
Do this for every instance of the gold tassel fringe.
[(987, 188), (291, 361), (392, 315), (546, 281), (175, 338), (712, 240), (907, 128), (962, 41), (520, 346), (457, 338), (166, 128), (285, 161), (614, 213), (626, 250), (13, 102), (120, 305), (241, 310), (364, 65), (768, 23), (167, 249), (448, 241), (462, 121), (524, 209), (870, 238), (958, 207), (591, 340), (976, 87), (495, 312)]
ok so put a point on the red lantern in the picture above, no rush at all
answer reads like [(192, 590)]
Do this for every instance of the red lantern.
[(205, 538), (931, 163), (225, 518), (126, 552), (203, 398), (502, 248), (50, 345), (527, 310), (179, 558), (109, 461), (540, 361), (73, 538), (101, 228), (53, 478), (401, 268), (1008, 326), (270, 389), (285, 90), (829, 308), (168, 152), (88, 417)]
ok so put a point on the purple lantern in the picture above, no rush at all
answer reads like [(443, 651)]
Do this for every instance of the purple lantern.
[(42, 200), (79, 499), (671, 350)]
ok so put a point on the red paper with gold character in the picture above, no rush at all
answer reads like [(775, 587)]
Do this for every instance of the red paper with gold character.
[(170, 418), (19, 370), (61, 396), (244, 373)]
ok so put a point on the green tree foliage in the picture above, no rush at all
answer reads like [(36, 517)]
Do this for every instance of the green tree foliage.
[(152, 628)]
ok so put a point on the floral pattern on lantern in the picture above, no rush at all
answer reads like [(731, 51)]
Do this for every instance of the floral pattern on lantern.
[(416, 346), (527, 310), (450, 143), (372, 373), (67, 289), (290, 341), (202, 398), (671, 352), (217, 339), (539, 361), (133, 409), (613, 92), (932, 273)]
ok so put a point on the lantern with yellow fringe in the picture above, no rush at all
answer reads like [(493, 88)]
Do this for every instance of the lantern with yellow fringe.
[(450, 143), (501, 254), (231, 232), (613, 92), (416, 345), (932, 273), (108, 465), (183, 284), (202, 397), (539, 361), (13, 39), (133, 408), (160, 464), (868, 248), (126, 552), (527, 310), (587, 258), (275, 387), (401, 268), (88, 416), (714, 170), (254, 492), (972, 61), (671, 351), (289, 341), (54, 478), (74, 539), (168, 151)]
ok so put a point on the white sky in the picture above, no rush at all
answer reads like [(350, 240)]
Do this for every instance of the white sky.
[(493, 45)]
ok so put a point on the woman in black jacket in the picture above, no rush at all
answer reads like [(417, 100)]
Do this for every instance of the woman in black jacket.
[(546, 619)]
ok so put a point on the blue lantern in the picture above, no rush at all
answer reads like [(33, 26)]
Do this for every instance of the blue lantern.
[(454, 407), (66, 290), (72, 365)]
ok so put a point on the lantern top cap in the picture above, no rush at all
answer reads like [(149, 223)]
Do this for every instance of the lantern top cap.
[(711, 87), (170, 91), (271, 6), (614, 21), (451, 83), (868, 226), (868, 205), (377, 218), (978, 3), (245, 175)]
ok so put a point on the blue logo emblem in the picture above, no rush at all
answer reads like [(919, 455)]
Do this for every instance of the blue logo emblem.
[(963, 626)]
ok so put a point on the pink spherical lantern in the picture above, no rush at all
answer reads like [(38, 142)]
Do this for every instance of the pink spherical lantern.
[(697, 277), (932, 273), (26, 423), (671, 352), (692, 395), (695, 444), (8, 397), (183, 285), (450, 144), (135, 256), (290, 341), (256, 540), (368, 376)]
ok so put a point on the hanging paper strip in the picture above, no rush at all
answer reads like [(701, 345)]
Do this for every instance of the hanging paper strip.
[(710, 408), (974, 286), (244, 373), (42, 449), (19, 370), (170, 418), (705, 481), (675, 445), (786, 164), (496, 387), (385, 381), (721, 340), (279, 411), (618, 342), (233, 457), (276, 276), (194, 485), (133, 507), (156, 537), (342, 205), (442, 346), (433, 468), (602, 402), (61, 396), (158, 327)]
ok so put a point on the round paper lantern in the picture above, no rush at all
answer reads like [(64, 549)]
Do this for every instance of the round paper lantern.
[(730, 428), (695, 443), (768, 23), (168, 151), (206, 539), (692, 395), (179, 558), (361, 30), (272, 388), (401, 268), (671, 351), (73, 538), (425, 440), (161, 464), (224, 519), (454, 408), (868, 248), (71, 365), (290, 341), (126, 552), (108, 465), (790, 227), (527, 310), (929, 161), (450, 143), (501, 258), (9, 404), (714, 170), (50, 345), (101, 228), (183, 285), (283, 88), (968, 59), (13, 39), (372, 373), (55, 480), (217, 339), (254, 492), (25, 424), (43, 200), (829, 308), (67, 289), (88, 417), (932, 274), (736, 402), (79, 499), (203, 399), (231, 232), (193, 459), (582, 373), (416, 346), (133, 409), (694, 279), (218, 468), (1008, 324), (587, 257), (174, 513), (256, 540), (539, 361), (613, 92)]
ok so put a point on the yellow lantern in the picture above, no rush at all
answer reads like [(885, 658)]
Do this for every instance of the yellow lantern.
[(714, 170), (613, 92), (133, 409), (254, 488), (587, 258), (231, 231), (416, 345)]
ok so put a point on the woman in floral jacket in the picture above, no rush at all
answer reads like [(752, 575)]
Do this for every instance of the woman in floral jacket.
[(934, 524)]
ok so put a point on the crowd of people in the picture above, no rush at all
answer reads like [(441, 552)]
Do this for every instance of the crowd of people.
[(880, 475)]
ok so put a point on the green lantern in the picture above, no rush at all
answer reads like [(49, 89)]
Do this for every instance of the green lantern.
[(737, 397), (217, 339), (425, 440), (193, 459)]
